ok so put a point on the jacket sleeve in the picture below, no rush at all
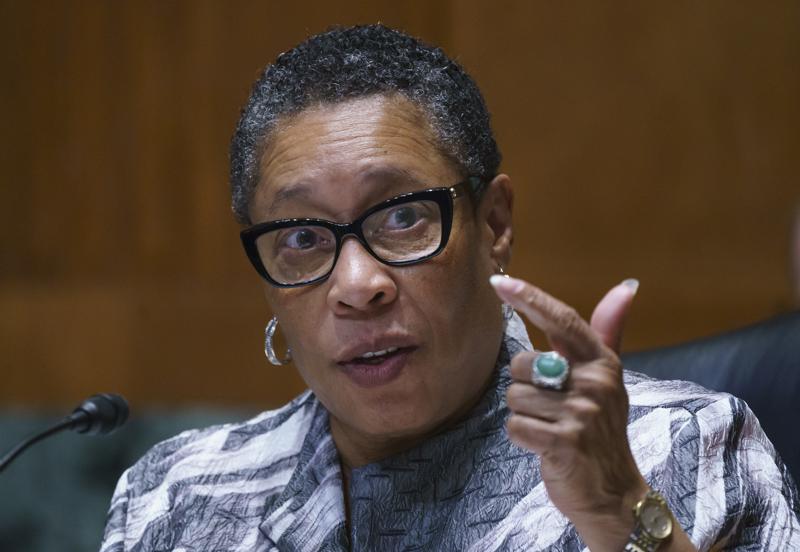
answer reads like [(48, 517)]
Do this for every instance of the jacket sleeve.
[(745, 497), (114, 534)]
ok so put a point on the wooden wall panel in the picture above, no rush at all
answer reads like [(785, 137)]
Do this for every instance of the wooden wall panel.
[(658, 141)]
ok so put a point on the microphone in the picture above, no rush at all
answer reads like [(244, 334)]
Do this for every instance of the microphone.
[(97, 415), (100, 414)]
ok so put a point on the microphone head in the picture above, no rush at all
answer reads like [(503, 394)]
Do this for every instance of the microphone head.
[(100, 414)]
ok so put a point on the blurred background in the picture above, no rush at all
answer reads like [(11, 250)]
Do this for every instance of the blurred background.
[(650, 140)]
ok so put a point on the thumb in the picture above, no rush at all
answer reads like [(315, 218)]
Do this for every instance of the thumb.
[(608, 318)]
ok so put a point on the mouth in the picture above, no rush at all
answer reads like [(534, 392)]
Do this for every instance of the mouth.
[(376, 357), (378, 367)]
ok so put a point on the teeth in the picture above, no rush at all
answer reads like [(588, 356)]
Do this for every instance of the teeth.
[(379, 353)]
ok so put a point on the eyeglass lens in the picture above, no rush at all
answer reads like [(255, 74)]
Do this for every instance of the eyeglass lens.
[(399, 233)]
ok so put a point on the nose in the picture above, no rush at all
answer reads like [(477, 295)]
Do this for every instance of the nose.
[(359, 283)]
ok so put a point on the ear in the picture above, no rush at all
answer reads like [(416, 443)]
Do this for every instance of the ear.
[(494, 218)]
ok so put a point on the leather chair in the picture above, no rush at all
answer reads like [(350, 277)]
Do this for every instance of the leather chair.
[(759, 363)]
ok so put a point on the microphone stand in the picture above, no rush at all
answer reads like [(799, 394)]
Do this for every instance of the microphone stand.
[(16, 451)]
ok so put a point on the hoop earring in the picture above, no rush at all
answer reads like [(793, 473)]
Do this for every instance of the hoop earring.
[(269, 350)]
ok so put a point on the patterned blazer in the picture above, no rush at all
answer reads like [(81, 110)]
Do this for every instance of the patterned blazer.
[(274, 482)]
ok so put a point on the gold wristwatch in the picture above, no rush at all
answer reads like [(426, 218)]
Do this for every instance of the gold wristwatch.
[(653, 524)]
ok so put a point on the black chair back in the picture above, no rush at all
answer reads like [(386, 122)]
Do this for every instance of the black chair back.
[(759, 363)]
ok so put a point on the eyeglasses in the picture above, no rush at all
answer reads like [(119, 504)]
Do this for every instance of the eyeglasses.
[(403, 230)]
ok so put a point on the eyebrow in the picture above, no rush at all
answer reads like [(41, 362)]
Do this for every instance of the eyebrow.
[(298, 190), (390, 175)]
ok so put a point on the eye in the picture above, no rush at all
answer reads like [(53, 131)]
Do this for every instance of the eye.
[(408, 221), (404, 216), (302, 238)]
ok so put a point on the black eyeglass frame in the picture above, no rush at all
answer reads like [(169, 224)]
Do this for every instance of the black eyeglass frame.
[(443, 197)]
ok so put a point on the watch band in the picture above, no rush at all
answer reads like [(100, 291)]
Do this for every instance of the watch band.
[(640, 542)]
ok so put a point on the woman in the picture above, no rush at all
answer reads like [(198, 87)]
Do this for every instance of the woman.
[(366, 174)]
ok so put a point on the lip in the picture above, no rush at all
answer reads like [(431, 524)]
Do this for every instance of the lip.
[(380, 343), (380, 373), (374, 374)]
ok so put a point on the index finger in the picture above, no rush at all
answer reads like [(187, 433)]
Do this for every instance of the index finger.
[(568, 333)]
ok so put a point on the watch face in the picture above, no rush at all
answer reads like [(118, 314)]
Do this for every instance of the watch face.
[(656, 519)]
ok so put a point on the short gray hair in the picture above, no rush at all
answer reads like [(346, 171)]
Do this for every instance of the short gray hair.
[(347, 63)]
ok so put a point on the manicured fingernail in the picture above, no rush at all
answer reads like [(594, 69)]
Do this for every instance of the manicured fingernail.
[(506, 283), (632, 284)]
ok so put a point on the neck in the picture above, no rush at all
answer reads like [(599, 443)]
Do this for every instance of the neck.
[(358, 449)]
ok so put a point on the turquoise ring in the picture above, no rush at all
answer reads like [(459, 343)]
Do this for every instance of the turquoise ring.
[(549, 370)]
